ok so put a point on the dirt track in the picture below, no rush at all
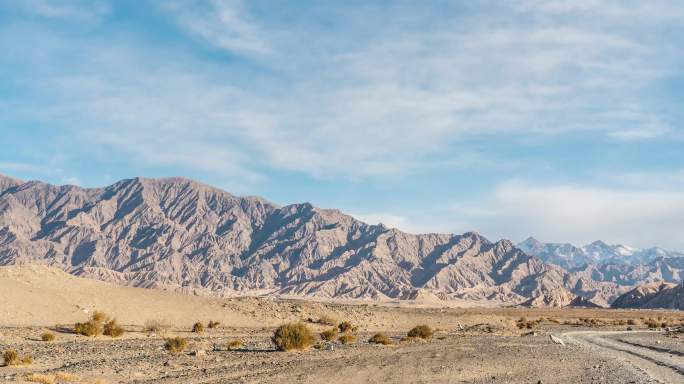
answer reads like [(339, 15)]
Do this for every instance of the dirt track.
[(660, 363)]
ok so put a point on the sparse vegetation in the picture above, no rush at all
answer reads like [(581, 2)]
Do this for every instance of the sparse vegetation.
[(99, 323), (47, 336), (11, 357), (198, 327), (327, 320), (346, 326), (155, 326), (293, 336), (213, 324), (38, 378), (347, 338), (236, 344), (66, 377), (176, 344), (523, 323), (112, 329), (329, 335), (380, 338), (421, 331)]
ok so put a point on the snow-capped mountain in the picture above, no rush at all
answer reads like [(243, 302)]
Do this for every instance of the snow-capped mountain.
[(571, 257)]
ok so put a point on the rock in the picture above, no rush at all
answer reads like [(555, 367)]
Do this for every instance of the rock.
[(556, 340), (198, 353)]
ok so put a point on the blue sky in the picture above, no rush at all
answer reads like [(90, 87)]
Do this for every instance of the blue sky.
[(561, 120)]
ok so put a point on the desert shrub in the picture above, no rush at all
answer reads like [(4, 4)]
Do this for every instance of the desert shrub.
[(293, 336), (213, 324), (94, 326), (380, 338), (327, 320), (89, 328), (12, 357), (155, 326), (235, 344), (176, 344), (633, 322), (112, 329), (652, 323), (38, 378), (347, 338), (421, 331), (47, 336), (329, 335), (99, 316), (198, 327), (523, 323), (346, 326)]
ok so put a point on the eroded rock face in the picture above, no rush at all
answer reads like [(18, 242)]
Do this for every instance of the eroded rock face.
[(653, 295), (182, 235)]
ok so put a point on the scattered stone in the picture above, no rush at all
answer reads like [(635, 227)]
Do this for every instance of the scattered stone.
[(556, 340)]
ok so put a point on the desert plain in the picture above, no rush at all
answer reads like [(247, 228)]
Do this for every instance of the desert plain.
[(470, 344)]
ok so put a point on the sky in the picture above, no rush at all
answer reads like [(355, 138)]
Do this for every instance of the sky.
[(513, 118)]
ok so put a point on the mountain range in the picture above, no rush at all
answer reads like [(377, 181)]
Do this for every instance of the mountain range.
[(182, 235)]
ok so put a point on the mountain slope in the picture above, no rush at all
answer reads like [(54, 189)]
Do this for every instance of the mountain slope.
[(182, 235), (654, 295)]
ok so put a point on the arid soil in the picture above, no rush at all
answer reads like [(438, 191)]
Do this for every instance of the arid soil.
[(470, 345)]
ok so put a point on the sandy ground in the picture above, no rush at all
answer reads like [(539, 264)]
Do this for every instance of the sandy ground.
[(471, 345)]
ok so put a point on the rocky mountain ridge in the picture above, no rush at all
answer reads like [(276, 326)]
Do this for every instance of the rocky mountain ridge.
[(185, 236)]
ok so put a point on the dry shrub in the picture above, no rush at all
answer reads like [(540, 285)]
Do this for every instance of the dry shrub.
[(327, 320), (293, 336), (66, 377), (155, 326), (176, 344), (633, 322), (523, 323), (213, 324), (112, 329), (198, 327), (95, 326), (329, 335), (11, 357), (47, 336), (346, 326), (347, 338), (651, 323), (380, 338), (421, 331), (38, 378), (236, 344)]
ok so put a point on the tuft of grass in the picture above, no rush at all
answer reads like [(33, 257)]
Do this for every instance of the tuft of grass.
[(11, 357), (380, 338), (327, 320), (421, 331), (47, 336), (346, 326), (213, 324), (38, 378), (99, 316), (155, 326), (112, 329), (198, 327), (347, 338), (236, 344), (293, 336), (176, 344), (329, 335)]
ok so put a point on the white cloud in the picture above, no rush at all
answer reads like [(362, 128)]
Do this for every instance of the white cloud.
[(580, 214), (64, 9)]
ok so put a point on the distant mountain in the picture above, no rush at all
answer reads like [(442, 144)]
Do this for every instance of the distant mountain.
[(182, 235), (654, 295), (570, 257)]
